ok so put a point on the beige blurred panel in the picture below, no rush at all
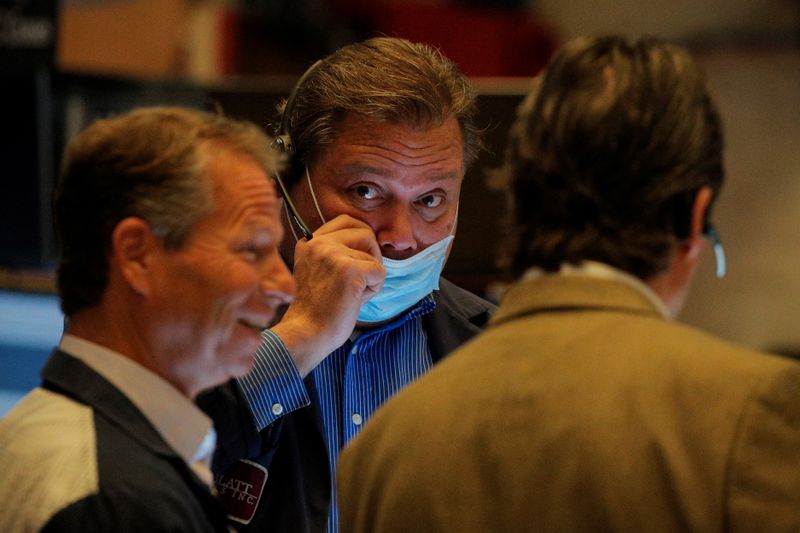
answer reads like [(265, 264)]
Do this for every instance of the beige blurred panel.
[(133, 37), (758, 214)]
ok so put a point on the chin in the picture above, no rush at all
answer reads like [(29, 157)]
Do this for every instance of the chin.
[(240, 361), (243, 366)]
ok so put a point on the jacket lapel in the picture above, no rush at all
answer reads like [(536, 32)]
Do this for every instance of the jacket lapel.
[(458, 317)]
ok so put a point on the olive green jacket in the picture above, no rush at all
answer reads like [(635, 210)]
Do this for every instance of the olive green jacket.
[(582, 408)]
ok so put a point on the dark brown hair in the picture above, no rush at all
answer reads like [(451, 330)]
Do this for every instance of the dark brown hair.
[(607, 153)]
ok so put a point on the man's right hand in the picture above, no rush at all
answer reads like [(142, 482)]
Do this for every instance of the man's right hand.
[(335, 273)]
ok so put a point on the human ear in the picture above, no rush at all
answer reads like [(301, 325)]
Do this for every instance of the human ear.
[(702, 200), (133, 249)]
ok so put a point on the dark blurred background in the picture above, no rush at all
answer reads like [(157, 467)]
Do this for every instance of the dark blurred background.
[(62, 64)]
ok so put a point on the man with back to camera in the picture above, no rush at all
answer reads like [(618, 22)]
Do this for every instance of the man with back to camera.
[(584, 406), (169, 269), (383, 133)]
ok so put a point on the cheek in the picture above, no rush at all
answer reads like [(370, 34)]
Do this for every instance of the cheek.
[(228, 287), (245, 283), (425, 232), (430, 232), (241, 281), (333, 203), (330, 205)]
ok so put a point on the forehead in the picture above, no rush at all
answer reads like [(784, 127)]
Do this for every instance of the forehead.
[(240, 185), (366, 144)]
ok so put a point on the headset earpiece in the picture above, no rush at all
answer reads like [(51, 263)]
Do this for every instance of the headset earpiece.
[(710, 231), (283, 142), (283, 138)]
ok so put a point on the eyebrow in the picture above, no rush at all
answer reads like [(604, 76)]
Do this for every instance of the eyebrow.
[(357, 169)]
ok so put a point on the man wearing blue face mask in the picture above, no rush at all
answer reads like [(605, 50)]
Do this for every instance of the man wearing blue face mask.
[(381, 133), (407, 281)]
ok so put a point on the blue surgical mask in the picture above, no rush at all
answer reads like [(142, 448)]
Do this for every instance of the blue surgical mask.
[(407, 280)]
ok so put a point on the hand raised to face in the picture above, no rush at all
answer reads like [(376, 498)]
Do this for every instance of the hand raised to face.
[(337, 271)]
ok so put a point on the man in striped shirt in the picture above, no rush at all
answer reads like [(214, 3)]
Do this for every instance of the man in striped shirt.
[(381, 133)]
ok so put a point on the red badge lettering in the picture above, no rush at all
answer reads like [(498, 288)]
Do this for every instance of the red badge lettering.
[(240, 489)]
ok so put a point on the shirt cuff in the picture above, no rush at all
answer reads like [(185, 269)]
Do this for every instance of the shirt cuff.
[(273, 388)]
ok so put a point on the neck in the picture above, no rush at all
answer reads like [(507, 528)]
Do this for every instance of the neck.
[(119, 329), (672, 285)]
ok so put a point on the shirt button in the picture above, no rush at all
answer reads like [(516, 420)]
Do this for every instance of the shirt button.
[(277, 409), (357, 420)]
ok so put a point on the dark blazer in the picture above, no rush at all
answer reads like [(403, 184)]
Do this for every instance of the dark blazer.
[(296, 496), (582, 409), (77, 455)]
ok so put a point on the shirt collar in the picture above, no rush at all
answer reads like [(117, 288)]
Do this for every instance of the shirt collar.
[(421, 308), (183, 426), (593, 269)]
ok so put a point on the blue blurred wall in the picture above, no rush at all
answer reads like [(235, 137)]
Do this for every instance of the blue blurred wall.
[(30, 326)]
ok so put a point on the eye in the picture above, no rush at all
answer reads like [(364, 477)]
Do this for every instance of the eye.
[(431, 201), (367, 192), (252, 254)]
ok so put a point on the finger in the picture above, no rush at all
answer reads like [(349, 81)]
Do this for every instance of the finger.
[(341, 222), (352, 233), (374, 277), (367, 275), (325, 250)]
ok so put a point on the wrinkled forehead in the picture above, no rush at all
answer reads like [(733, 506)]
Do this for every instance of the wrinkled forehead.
[(363, 143), (236, 177), (355, 129)]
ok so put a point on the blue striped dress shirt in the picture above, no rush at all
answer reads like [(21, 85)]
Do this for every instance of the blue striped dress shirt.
[(352, 382)]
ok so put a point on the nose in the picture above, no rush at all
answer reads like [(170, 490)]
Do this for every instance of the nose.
[(277, 283), (396, 234)]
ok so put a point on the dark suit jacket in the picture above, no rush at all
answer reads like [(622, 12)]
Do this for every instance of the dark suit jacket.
[(582, 409), (297, 492)]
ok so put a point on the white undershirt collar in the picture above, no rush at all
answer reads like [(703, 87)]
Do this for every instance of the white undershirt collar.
[(594, 269)]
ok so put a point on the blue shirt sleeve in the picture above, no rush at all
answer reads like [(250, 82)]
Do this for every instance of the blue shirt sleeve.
[(273, 388)]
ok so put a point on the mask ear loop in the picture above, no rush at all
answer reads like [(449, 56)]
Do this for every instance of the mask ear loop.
[(289, 218), (455, 221), (287, 203), (719, 251), (314, 197)]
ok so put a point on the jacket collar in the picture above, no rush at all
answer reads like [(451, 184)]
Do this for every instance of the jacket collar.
[(553, 293), (158, 400), (70, 376), (459, 316)]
